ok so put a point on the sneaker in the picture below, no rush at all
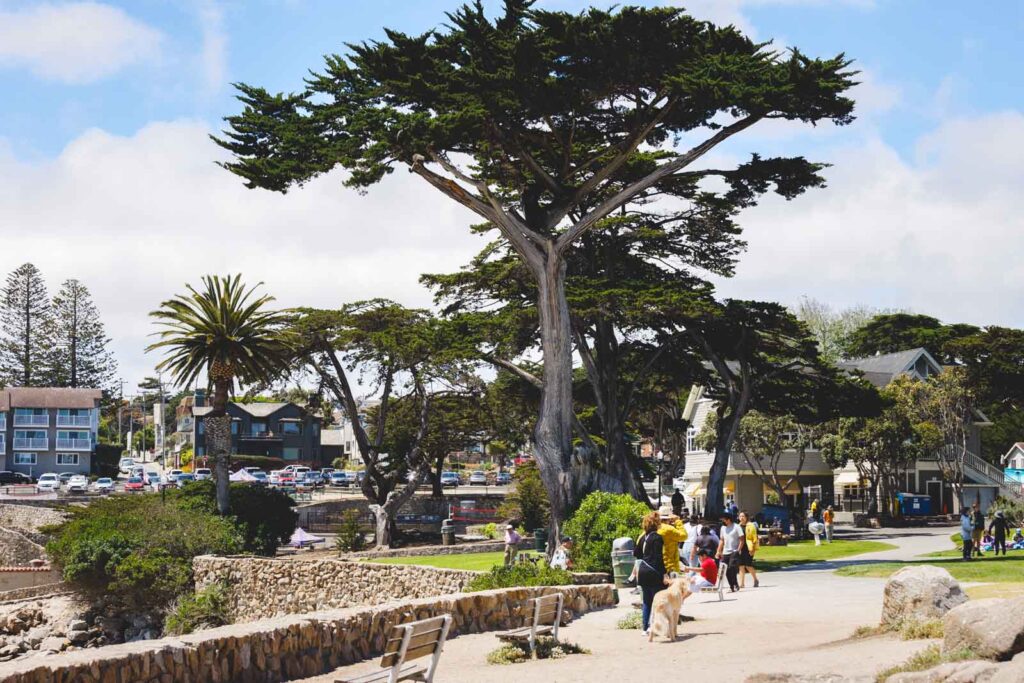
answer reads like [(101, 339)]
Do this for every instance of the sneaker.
[(756, 583), (645, 633)]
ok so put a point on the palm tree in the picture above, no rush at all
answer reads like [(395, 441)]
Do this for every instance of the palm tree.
[(226, 330)]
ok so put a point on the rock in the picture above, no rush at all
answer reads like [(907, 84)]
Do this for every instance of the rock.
[(993, 628), (78, 637), (807, 678), (53, 644), (16, 625), (920, 593), (1011, 672), (970, 671), (78, 625)]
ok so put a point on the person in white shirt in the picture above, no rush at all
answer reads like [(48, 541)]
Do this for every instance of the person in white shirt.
[(511, 544), (562, 557), (689, 549), (729, 549)]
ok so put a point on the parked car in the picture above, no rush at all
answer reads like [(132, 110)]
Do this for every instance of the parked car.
[(49, 482), (134, 484), (261, 478), (338, 479), (503, 479), (450, 479), (154, 480), (204, 473), (137, 471), (65, 477), (125, 465), (184, 478), (8, 478), (103, 485), (77, 483), (274, 478), (326, 473), (478, 478), (172, 476)]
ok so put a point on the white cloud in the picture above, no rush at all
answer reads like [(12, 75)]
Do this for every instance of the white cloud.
[(213, 55), (137, 217), (939, 234), (76, 43)]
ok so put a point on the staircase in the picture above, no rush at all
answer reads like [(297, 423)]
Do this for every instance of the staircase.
[(986, 473)]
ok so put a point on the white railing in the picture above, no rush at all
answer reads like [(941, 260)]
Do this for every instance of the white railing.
[(74, 421), (31, 444), (31, 420), (74, 444), (1008, 488)]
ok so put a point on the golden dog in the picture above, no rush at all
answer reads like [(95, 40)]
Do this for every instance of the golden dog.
[(665, 608)]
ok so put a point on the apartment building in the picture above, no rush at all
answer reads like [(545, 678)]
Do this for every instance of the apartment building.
[(48, 429)]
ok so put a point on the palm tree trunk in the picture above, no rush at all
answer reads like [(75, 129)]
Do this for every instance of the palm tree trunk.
[(218, 436)]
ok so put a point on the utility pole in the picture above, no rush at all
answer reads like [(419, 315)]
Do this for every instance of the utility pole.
[(120, 409)]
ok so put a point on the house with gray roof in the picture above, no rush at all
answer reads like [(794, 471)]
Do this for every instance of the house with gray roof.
[(275, 430), (48, 429)]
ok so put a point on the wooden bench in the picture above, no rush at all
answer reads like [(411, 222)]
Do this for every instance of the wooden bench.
[(547, 616), (407, 642)]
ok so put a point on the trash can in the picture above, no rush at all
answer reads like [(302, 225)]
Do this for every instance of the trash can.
[(622, 560), (540, 540), (448, 532)]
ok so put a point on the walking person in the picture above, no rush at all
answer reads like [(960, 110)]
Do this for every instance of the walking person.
[(677, 503), (829, 516), (998, 529), (966, 531), (651, 575), (814, 509), (728, 550), (748, 547), (672, 533), (512, 540), (979, 528)]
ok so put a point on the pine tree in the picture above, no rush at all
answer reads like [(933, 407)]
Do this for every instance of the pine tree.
[(24, 312), (78, 355)]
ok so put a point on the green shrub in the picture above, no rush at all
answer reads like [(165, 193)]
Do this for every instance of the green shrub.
[(350, 533), (1014, 510), (207, 608), (631, 622), (264, 516), (546, 648), (600, 519), (528, 501), (520, 574), (490, 530), (137, 550)]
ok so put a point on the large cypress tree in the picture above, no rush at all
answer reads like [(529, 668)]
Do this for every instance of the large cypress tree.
[(24, 315), (78, 354)]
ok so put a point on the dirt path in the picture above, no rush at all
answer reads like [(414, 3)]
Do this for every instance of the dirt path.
[(798, 621)]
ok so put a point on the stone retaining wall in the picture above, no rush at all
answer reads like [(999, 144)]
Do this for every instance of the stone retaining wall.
[(30, 515), (290, 647), (41, 590), (259, 588), (421, 550)]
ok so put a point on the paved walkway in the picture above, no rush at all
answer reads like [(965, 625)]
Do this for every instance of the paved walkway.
[(798, 621)]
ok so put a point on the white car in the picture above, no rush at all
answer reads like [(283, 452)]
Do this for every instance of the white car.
[(79, 483), (172, 476), (48, 482), (125, 465), (478, 479), (153, 480), (274, 478), (103, 485), (204, 473)]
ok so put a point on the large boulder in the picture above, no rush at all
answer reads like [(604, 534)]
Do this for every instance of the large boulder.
[(919, 593), (993, 628), (1010, 672), (970, 671)]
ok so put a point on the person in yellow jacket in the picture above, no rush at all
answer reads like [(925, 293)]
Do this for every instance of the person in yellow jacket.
[(748, 548), (672, 533)]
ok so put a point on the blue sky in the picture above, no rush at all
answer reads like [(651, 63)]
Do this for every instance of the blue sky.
[(106, 169)]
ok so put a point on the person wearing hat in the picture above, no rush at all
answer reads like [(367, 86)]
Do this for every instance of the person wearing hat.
[(672, 533), (511, 544), (562, 557), (998, 529), (829, 517)]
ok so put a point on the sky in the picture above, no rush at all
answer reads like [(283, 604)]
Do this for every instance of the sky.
[(107, 171)]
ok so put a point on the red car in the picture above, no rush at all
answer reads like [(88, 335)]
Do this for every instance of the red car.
[(134, 484)]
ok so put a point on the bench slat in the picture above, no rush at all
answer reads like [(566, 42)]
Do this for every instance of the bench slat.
[(406, 672), (395, 644), (427, 625)]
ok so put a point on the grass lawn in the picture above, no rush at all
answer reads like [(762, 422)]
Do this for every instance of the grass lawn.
[(1009, 569), (802, 552), (473, 561), (768, 557)]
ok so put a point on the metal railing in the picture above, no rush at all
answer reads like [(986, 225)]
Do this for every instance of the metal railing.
[(1008, 488), (74, 444), (33, 420), (32, 444), (74, 421)]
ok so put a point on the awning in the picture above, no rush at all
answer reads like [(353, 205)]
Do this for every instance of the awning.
[(848, 478), (792, 489), (301, 538), (693, 490)]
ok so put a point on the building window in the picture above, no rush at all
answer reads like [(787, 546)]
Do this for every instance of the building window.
[(67, 458), (234, 427), (200, 426), (258, 428), (292, 453), (24, 458), (291, 428), (691, 439), (853, 491)]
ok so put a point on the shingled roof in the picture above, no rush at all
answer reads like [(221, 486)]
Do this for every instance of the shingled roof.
[(885, 367), (48, 397)]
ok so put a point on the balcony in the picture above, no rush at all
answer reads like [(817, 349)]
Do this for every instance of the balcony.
[(74, 421), (31, 444), (31, 420), (263, 436), (74, 444)]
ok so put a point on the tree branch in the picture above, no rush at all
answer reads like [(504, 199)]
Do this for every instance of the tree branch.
[(514, 369)]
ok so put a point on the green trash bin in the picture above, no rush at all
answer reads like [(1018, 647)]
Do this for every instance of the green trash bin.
[(540, 540), (622, 560)]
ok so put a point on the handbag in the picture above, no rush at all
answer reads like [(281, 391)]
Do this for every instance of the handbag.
[(646, 574)]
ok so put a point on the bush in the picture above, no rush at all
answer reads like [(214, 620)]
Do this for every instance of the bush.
[(490, 530), (528, 502), (1014, 510), (264, 516), (207, 608), (600, 519), (520, 574), (350, 532), (546, 648), (136, 551)]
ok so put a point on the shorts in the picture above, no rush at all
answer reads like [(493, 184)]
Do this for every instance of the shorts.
[(699, 582)]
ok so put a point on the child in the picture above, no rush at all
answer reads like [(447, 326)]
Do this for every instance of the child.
[(705, 576)]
